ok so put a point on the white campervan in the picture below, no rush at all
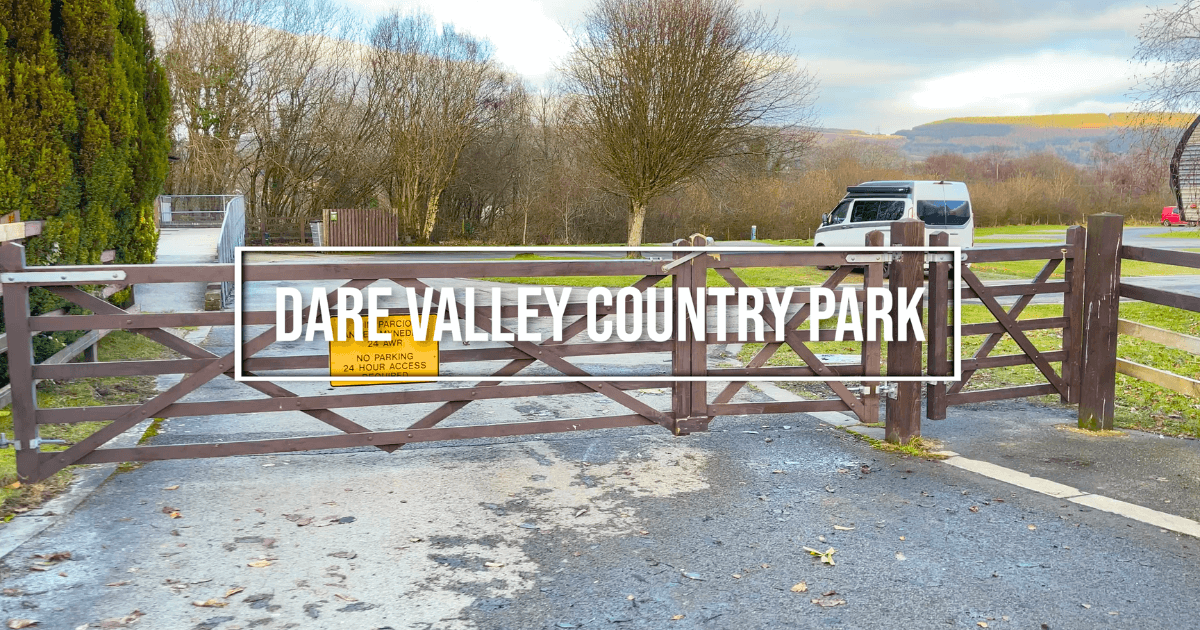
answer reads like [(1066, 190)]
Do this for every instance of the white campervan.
[(944, 206)]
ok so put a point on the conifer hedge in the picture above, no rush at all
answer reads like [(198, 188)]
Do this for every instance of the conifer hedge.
[(84, 110)]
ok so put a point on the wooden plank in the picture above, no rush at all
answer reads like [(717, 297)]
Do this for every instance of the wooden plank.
[(21, 230), (798, 406), (23, 391), (1041, 323), (1004, 393), (353, 440), (939, 319), (1007, 360), (903, 417), (1161, 256), (1168, 338), (1016, 252), (1159, 296), (872, 352), (1162, 378), (1102, 290), (1073, 312)]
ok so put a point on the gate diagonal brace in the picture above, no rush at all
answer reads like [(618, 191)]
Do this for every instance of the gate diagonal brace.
[(193, 351), (1018, 335), (993, 339), (536, 353)]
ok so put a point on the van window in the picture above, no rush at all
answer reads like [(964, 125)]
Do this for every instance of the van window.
[(944, 212), (872, 210), (839, 213)]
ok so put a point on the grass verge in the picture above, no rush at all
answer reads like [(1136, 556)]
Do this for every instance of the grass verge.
[(16, 497), (1140, 405)]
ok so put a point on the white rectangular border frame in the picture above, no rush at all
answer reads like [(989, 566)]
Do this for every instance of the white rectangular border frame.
[(957, 262)]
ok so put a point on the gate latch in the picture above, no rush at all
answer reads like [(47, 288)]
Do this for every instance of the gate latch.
[(33, 444)]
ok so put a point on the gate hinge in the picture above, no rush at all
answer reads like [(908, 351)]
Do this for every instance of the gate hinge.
[(33, 444)]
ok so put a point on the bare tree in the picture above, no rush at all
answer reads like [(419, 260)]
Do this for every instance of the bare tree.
[(435, 89), (668, 86)]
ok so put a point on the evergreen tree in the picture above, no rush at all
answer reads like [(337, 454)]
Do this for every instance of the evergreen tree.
[(83, 119)]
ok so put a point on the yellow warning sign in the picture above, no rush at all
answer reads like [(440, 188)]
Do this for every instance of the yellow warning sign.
[(402, 356)]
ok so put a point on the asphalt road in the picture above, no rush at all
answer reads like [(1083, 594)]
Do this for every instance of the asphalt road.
[(615, 529)]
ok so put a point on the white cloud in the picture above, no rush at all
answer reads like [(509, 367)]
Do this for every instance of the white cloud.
[(524, 36), (1035, 84)]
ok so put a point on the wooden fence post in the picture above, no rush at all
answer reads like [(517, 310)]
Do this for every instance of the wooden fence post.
[(20, 364), (1073, 312), (904, 357), (1101, 309), (939, 322), (698, 268), (681, 354), (872, 278)]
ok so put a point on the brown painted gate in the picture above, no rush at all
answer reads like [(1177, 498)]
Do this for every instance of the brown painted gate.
[(692, 406)]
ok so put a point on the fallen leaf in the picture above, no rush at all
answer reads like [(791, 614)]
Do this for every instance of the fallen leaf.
[(175, 487), (982, 624), (826, 556), (259, 564), (57, 556), (175, 515), (414, 540), (494, 565), (35, 567), (1087, 605), (677, 617), (348, 555), (121, 622), (304, 521), (168, 509), (800, 588), (844, 529), (1032, 527), (765, 566), (345, 598), (233, 591), (737, 576), (900, 556), (829, 603), (581, 512), (692, 576), (62, 574), (974, 508), (14, 485), (210, 603), (121, 583), (21, 623), (901, 538)]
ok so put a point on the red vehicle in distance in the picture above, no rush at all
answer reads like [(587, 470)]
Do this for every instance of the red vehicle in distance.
[(1170, 217)]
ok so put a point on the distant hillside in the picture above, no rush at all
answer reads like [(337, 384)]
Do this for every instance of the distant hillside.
[(1072, 136)]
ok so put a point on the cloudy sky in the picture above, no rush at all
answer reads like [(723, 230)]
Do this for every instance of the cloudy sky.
[(884, 65)]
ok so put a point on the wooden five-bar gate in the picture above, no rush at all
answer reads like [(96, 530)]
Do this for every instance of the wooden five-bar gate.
[(692, 405)]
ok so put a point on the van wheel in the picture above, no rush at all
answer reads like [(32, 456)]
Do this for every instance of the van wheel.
[(1166, 224)]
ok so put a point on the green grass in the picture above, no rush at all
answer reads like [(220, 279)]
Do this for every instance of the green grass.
[(85, 392), (1188, 233), (1140, 405), (1026, 269), (1015, 230), (788, 242)]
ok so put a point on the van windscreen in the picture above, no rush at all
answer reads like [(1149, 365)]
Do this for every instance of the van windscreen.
[(877, 210), (948, 212)]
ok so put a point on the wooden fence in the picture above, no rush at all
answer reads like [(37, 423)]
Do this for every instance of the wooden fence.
[(359, 227)]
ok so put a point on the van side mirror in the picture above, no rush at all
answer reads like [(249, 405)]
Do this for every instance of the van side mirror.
[(825, 219)]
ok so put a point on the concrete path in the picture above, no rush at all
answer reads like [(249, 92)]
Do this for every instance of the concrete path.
[(180, 246)]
